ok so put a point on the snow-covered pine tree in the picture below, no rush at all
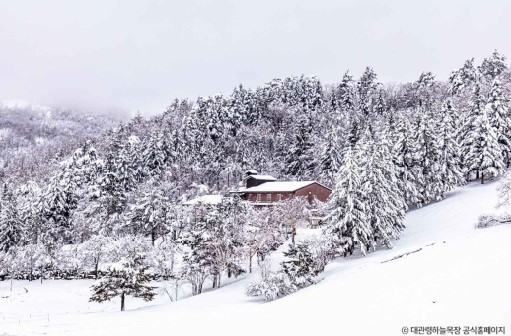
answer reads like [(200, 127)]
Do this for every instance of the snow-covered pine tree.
[(493, 66), (383, 198), (345, 93), (243, 103), (300, 268), (353, 131), (482, 149), (499, 113), (129, 280), (366, 88), (380, 106), (463, 78), (122, 172), (465, 137), (28, 198), (450, 165), (11, 227), (57, 204), (408, 170), (148, 213), (424, 89), (348, 222), (300, 158), (428, 156), (330, 156), (155, 153)]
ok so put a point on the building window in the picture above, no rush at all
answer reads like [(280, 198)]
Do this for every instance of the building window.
[(268, 197), (258, 197), (279, 197), (289, 195)]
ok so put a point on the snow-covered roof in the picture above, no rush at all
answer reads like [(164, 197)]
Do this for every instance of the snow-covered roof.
[(262, 177), (205, 199), (279, 186)]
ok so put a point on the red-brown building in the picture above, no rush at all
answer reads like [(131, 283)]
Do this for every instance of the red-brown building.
[(265, 190)]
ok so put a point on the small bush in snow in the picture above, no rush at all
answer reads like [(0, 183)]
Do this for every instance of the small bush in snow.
[(485, 221), (295, 273), (273, 284)]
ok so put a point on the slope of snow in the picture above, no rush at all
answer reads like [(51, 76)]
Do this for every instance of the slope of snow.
[(442, 272)]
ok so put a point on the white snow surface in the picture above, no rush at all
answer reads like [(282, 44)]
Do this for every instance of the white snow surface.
[(279, 186), (205, 199), (262, 177), (456, 275)]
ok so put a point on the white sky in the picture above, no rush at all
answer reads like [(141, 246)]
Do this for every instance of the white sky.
[(140, 55)]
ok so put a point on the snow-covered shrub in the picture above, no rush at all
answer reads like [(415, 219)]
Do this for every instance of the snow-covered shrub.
[(29, 261), (323, 250), (164, 257), (96, 251), (273, 284), (5, 262), (69, 262), (295, 273), (485, 221)]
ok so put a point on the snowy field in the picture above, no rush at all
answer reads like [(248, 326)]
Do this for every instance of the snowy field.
[(456, 275)]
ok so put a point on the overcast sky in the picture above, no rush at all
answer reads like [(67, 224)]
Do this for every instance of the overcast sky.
[(140, 55)]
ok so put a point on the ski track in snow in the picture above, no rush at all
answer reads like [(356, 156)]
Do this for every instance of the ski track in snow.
[(449, 274)]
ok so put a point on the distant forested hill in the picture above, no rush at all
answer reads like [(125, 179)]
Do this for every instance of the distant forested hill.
[(34, 136)]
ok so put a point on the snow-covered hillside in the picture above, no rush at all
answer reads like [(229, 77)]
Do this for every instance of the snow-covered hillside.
[(442, 272)]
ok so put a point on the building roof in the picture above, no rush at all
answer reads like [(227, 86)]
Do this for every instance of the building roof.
[(205, 199), (279, 186), (262, 177)]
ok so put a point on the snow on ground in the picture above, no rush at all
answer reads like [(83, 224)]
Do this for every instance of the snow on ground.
[(450, 274)]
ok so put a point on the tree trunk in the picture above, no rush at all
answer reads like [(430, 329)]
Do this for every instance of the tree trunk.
[(482, 178), (250, 264), (122, 301), (219, 278), (176, 286), (96, 268), (293, 235), (477, 175)]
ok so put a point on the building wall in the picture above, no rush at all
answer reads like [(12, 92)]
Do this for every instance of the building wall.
[(312, 190), (274, 197)]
